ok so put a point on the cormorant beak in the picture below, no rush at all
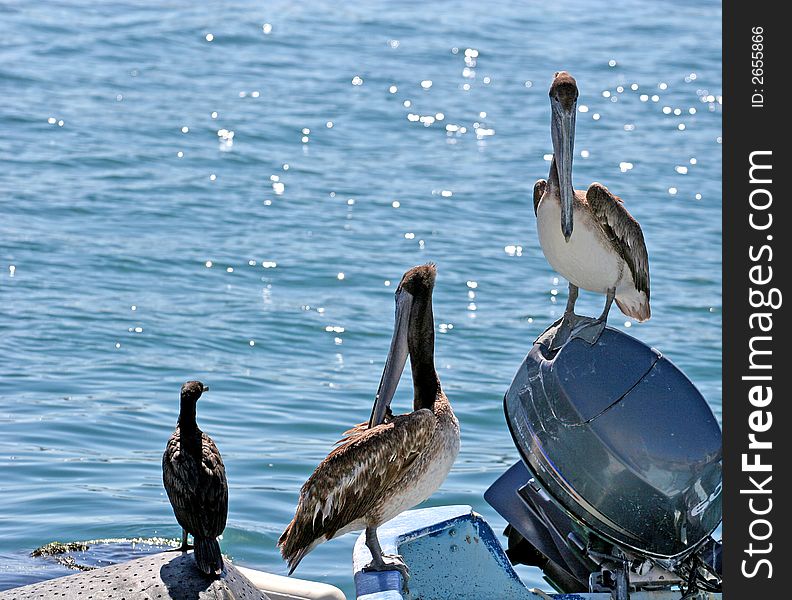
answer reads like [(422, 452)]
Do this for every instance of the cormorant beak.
[(397, 358), (205, 388), (563, 132)]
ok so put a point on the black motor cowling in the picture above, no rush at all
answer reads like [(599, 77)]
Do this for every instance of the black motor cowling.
[(620, 450)]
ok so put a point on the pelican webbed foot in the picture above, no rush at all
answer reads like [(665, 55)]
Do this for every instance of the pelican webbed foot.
[(589, 330), (569, 327), (560, 332), (390, 562), (563, 331), (384, 562), (572, 326)]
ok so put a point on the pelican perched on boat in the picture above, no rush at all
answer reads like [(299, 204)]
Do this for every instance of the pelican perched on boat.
[(195, 480), (605, 252), (390, 464)]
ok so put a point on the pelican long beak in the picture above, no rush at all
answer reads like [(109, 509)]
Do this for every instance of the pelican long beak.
[(563, 132), (397, 358)]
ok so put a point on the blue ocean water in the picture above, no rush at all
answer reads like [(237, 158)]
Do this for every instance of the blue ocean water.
[(230, 191)]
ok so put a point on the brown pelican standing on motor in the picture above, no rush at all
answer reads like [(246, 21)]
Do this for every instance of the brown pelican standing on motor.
[(390, 464), (194, 477), (606, 253)]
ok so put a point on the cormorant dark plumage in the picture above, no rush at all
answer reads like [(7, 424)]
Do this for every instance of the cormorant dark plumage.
[(194, 477)]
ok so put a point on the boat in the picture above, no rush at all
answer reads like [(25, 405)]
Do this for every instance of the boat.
[(453, 553)]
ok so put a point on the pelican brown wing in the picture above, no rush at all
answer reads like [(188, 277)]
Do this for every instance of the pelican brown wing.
[(349, 484), (623, 231), (356, 430), (539, 190), (197, 492)]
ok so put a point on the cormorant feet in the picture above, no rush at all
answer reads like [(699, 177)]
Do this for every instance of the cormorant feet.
[(182, 548), (390, 562)]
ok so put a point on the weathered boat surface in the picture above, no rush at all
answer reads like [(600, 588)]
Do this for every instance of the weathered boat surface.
[(452, 552), (172, 575)]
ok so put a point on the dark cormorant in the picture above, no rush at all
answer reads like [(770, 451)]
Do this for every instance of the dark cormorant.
[(194, 477)]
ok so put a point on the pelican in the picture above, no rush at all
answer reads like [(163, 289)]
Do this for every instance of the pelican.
[(392, 463), (606, 253), (194, 477)]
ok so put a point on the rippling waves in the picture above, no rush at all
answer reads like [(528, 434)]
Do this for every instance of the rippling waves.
[(230, 192)]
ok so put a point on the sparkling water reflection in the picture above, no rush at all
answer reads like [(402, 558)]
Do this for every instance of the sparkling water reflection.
[(230, 192)]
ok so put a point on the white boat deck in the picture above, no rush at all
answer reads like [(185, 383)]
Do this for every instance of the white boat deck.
[(453, 553)]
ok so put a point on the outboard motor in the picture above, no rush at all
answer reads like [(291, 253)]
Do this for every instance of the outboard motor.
[(619, 488)]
